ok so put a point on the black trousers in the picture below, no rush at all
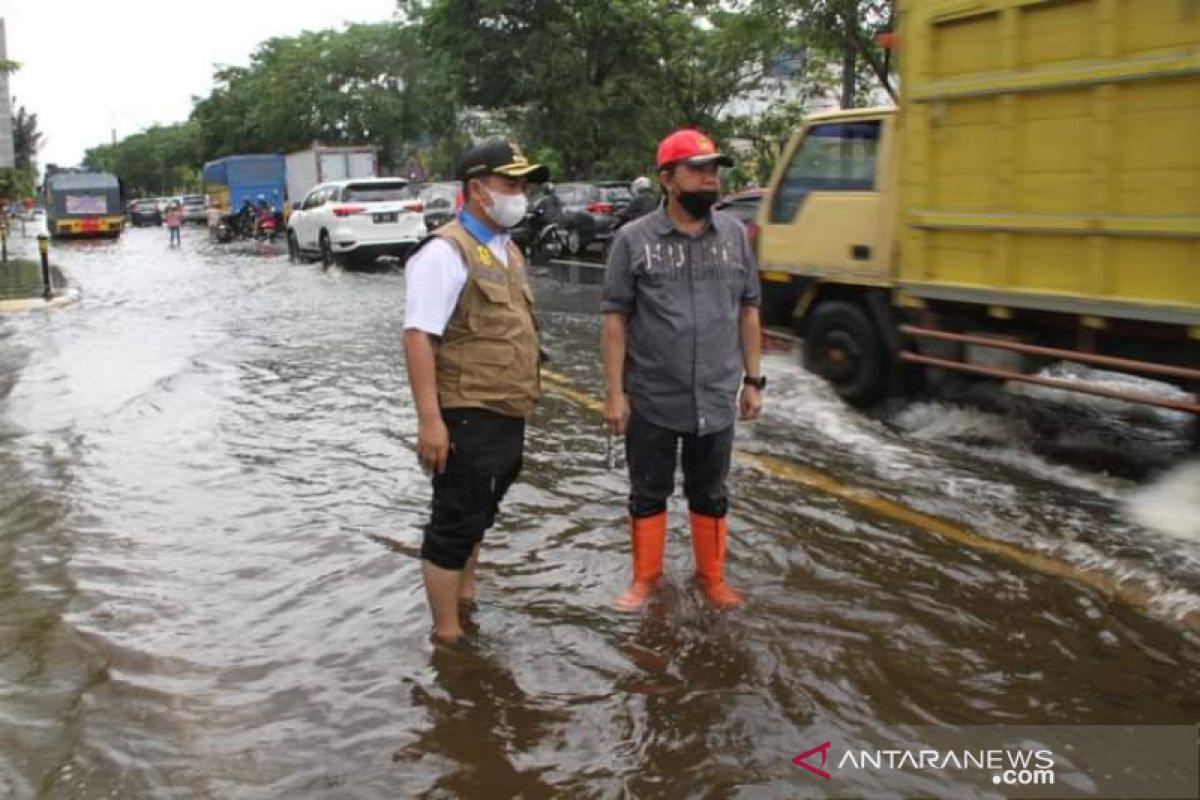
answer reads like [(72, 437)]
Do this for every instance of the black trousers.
[(652, 453), (486, 449)]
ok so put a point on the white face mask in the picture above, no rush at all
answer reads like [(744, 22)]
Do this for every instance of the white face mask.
[(507, 210)]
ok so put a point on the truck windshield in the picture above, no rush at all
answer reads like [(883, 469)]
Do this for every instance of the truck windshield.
[(837, 157), (377, 192)]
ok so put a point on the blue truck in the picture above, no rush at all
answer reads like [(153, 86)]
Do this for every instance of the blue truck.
[(232, 180)]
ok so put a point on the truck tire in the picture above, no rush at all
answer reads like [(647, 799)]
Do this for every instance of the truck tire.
[(842, 346)]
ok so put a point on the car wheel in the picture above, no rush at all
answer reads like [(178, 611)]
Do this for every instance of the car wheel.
[(842, 346), (326, 251), (574, 243)]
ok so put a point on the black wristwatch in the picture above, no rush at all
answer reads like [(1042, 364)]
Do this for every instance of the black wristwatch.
[(759, 383)]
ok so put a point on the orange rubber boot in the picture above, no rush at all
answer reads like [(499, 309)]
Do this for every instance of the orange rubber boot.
[(708, 546), (649, 539)]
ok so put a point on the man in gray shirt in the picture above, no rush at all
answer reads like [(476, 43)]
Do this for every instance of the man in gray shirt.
[(682, 337)]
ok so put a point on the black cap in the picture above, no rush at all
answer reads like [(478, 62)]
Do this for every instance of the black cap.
[(500, 157)]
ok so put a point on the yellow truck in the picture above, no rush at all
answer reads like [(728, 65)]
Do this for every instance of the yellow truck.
[(1034, 198)]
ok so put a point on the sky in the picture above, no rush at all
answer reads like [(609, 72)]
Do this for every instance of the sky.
[(90, 67)]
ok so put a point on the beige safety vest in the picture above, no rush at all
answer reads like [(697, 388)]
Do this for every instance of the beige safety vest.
[(488, 357)]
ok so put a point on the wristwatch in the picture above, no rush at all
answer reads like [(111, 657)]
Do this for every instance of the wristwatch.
[(759, 383)]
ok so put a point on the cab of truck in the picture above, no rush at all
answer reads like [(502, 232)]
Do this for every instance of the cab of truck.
[(832, 204), (827, 231)]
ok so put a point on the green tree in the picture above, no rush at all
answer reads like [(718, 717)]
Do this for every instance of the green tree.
[(27, 139), (845, 30), (593, 84), (159, 160), (20, 181), (368, 84)]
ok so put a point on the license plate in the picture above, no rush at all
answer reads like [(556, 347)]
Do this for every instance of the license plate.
[(392, 217)]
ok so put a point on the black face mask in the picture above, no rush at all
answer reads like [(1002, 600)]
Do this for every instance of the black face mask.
[(698, 204)]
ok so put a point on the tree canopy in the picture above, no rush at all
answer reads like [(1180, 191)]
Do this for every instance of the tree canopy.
[(588, 86)]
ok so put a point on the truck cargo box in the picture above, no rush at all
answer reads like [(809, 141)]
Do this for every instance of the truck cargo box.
[(233, 179), (318, 164), (1050, 154)]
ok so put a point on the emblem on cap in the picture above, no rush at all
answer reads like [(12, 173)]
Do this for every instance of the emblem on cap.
[(705, 145), (518, 156)]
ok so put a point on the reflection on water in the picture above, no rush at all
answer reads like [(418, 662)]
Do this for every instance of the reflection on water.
[(209, 515)]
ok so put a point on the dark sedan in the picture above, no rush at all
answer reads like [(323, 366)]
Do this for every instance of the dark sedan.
[(441, 202), (744, 205), (588, 209), (145, 212)]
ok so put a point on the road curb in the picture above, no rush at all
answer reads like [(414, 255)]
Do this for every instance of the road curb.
[(66, 295)]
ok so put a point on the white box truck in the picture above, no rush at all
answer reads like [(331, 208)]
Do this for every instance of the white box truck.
[(319, 164)]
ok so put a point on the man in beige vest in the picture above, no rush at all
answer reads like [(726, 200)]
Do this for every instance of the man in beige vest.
[(471, 346)]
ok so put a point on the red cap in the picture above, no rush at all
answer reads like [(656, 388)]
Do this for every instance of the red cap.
[(691, 146)]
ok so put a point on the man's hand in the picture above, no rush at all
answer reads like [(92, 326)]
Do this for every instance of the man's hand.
[(750, 403), (616, 412), (433, 444)]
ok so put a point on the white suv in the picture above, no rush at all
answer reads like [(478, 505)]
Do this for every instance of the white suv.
[(351, 219)]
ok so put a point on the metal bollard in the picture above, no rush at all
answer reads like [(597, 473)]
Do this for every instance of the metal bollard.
[(44, 249), (4, 243)]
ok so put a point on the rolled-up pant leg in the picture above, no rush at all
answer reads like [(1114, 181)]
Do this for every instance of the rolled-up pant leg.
[(485, 458)]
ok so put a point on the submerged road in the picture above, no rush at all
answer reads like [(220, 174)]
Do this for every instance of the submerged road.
[(210, 509)]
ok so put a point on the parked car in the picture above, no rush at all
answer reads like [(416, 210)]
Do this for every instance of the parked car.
[(744, 205), (441, 200), (615, 192), (194, 209), (588, 210), (356, 220), (145, 212)]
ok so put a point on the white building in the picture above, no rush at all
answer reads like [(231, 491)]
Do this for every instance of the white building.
[(787, 80)]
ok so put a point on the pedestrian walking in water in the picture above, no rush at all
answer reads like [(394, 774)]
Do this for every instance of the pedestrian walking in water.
[(471, 347), (681, 347), (174, 220), (212, 217)]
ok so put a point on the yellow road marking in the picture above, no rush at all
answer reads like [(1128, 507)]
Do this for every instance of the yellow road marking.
[(1131, 594)]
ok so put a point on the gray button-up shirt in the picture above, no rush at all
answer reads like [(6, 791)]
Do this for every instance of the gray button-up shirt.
[(683, 295)]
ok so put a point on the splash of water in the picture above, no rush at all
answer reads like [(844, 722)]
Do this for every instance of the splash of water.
[(1171, 504)]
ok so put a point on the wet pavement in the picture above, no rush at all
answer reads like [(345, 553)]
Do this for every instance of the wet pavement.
[(210, 509)]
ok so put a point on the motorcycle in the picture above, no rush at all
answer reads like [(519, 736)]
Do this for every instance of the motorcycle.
[(266, 229), (538, 238), (225, 229)]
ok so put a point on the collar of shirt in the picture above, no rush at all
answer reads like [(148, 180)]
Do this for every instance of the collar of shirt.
[(663, 225), (478, 229)]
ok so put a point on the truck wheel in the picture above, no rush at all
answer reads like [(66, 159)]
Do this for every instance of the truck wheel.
[(842, 346)]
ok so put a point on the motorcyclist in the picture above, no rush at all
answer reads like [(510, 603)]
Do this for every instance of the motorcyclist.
[(246, 218), (263, 213), (548, 207), (645, 200)]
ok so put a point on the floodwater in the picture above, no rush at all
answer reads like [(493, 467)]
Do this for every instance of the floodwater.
[(210, 510)]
